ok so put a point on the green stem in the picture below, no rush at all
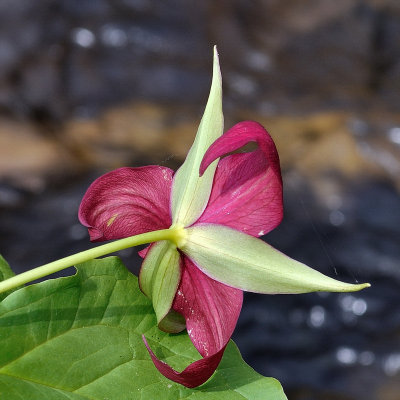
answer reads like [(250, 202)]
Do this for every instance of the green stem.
[(172, 234)]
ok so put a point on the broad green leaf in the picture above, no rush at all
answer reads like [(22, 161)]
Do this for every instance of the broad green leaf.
[(5, 273), (79, 338), (248, 263), (190, 192), (159, 279)]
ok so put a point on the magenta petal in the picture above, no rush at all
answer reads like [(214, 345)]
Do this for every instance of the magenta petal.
[(211, 310), (126, 202), (247, 190), (195, 374), (142, 253)]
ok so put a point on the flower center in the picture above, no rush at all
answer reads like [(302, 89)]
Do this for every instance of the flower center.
[(178, 235)]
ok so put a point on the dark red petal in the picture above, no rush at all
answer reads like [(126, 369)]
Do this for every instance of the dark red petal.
[(126, 202), (194, 375), (211, 310), (247, 189), (142, 253)]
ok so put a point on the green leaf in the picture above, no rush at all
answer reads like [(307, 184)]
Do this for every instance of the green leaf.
[(79, 338), (5, 273), (190, 192), (159, 279), (248, 263)]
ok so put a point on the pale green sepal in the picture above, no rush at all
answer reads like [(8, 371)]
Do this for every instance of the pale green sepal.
[(159, 279), (248, 263), (190, 192)]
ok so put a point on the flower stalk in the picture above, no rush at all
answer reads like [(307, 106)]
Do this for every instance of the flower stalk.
[(174, 234)]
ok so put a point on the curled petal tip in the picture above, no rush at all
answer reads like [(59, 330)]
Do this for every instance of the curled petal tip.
[(247, 190), (192, 376)]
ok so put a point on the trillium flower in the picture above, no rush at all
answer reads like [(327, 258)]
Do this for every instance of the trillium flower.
[(216, 208)]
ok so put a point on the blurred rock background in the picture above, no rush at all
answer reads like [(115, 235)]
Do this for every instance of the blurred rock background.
[(87, 86)]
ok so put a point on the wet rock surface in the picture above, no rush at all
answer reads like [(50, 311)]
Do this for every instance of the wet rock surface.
[(88, 86), (68, 57)]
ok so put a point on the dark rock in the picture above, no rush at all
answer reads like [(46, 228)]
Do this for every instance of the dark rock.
[(78, 57)]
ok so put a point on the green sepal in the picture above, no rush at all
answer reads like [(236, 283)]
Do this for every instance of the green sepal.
[(190, 192), (248, 263), (159, 279)]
